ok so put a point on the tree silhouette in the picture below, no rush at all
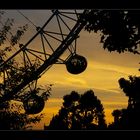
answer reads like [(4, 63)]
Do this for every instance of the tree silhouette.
[(12, 115), (79, 112), (116, 113), (119, 29), (128, 118), (131, 88)]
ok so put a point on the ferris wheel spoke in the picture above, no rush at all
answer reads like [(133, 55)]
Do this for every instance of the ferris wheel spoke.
[(60, 27), (68, 17), (64, 23), (53, 37), (56, 33), (48, 43), (28, 61), (44, 50)]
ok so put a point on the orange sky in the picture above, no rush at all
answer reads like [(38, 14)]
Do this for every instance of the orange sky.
[(102, 73)]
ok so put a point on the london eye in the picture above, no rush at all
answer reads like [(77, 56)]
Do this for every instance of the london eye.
[(57, 42)]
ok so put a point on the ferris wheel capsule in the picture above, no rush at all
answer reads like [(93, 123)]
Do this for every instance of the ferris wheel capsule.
[(76, 64), (34, 104)]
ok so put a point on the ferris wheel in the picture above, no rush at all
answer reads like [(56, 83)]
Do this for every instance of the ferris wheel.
[(53, 43)]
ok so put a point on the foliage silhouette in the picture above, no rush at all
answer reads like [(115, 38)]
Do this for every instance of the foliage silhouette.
[(119, 29), (128, 118), (12, 117), (11, 114), (79, 112)]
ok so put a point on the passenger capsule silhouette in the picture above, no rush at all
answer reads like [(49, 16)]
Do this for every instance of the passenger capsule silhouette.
[(76, 64), (33, 104)]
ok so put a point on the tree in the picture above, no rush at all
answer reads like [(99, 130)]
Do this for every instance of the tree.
[(119, 29), (13, 115), (116, 113), (128, 118), (131, 88), (79, 112)]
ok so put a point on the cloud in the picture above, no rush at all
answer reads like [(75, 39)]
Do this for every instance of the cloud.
[(54, 100), (106, 67), (115, 105), (76, 81)]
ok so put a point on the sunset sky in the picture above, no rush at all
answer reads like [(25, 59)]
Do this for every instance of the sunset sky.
[(102, 74)]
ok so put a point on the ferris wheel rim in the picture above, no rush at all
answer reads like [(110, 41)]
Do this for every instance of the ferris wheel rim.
[(78, 26)]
